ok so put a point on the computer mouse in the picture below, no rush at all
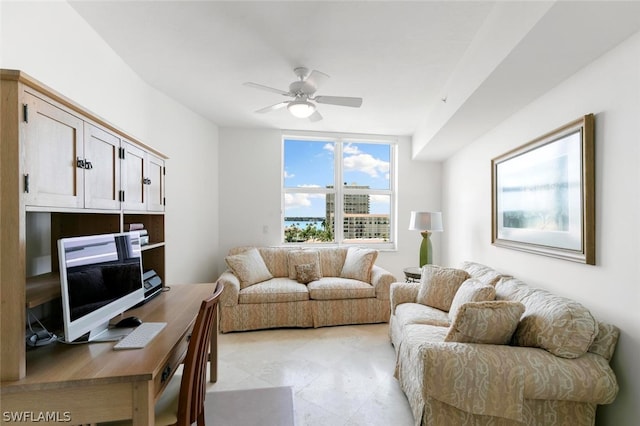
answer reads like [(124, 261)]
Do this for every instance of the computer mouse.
[(128, 322)]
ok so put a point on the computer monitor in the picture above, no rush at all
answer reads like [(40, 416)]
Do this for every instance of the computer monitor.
[(101, 277)]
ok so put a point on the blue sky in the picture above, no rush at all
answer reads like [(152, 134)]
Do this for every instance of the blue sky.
[(310, 164)]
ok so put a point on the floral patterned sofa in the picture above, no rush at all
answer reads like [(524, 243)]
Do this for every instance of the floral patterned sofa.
[(271, 287), (477, 348)]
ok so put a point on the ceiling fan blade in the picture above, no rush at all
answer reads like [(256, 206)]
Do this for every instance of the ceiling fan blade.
[(267, 88), (339, 100), (273, 107), (316, 116), (316, 78)]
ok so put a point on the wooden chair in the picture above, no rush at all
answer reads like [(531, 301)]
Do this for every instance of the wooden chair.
[(190, 398)]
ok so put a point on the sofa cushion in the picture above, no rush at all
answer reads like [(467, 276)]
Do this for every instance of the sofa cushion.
[(332, 260), (471, 290), (249, 267), (485, 322), (276, 260), (307, 272), (358, 264), (416, 313), (332, 288), (275, 290), (560, 325), (509, 288), (482, 273), (438, 285), (301, 257)]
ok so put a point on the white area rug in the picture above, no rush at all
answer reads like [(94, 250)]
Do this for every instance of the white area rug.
[(250, 407)]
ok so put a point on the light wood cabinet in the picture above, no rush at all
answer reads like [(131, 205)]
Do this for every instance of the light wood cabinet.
[(64, 172), (155, 183), (102, 163), (53, 140), (144, 181), (68, 162)]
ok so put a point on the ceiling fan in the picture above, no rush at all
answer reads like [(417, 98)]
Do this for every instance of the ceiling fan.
[(303, 93)]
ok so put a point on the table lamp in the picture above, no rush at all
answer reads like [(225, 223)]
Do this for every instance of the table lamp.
[(426, 223)]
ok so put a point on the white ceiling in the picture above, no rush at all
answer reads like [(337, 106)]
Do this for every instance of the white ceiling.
[(485, 58)]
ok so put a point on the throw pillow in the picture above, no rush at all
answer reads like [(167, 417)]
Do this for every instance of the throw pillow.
[(472, 290), (438, 286), (358, 264), (485, 322), (307, 272), (301, 257), (249, 267), (560, 325)]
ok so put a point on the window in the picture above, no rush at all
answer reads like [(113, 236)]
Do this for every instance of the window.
[(360, 211)]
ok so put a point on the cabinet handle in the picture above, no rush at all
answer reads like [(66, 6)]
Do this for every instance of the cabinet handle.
[(80, 163), (146, 181), (26, 183), (88, 165)]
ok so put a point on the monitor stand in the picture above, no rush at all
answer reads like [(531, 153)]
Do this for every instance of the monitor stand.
[(103, 333)]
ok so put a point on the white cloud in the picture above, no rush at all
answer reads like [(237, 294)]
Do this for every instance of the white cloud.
[(288, 175), (299, 200), (366, 163), (351, 149), (329, 147)]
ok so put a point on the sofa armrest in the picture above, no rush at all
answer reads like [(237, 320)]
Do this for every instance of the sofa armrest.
[(381, 280), (230, 294), (403, 293)]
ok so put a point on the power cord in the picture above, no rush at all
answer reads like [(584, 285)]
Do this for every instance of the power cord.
[(41, 337)]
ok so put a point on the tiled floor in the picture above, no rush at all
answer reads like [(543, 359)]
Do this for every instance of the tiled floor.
[(340, 375)]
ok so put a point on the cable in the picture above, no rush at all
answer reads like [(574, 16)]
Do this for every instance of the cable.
[(39, 338)]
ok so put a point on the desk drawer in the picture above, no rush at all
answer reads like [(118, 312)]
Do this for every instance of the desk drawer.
[(175, 359)]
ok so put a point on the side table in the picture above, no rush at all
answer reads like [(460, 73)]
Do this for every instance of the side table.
[(412, 274)]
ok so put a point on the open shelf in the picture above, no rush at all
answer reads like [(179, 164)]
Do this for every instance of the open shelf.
[(41, 289)]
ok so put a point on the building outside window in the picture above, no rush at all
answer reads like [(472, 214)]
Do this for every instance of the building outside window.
[(360, 211)]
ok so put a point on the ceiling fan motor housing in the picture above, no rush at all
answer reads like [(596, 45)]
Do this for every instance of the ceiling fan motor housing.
[(302, 88)]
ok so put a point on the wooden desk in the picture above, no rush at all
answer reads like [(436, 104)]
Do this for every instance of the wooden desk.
[(93, 383)]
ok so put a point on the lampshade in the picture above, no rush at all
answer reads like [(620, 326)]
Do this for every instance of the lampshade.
[(426, 221), (301, 108)]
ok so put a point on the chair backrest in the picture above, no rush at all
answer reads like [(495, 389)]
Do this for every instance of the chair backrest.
[(194, 375)]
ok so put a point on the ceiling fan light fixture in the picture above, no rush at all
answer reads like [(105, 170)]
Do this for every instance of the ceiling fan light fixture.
[(301, 108)]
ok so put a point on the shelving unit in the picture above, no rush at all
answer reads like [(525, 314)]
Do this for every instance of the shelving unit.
[(65, 172)]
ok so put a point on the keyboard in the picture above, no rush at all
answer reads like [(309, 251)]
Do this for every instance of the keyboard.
[(140, 336)]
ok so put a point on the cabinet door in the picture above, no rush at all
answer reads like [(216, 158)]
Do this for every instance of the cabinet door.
[(133, 178), (155, 183), (52, 145), (102, 168)]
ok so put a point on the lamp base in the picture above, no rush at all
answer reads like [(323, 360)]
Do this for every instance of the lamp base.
[(425, 249)]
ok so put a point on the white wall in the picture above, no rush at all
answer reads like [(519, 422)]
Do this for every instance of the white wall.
[(609, 88), (52, 43), (250, 194)]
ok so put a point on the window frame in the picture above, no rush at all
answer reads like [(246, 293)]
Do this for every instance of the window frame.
[(339, 191)]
